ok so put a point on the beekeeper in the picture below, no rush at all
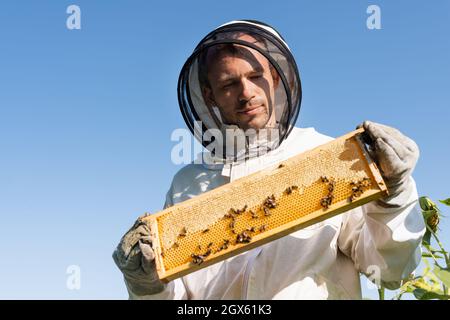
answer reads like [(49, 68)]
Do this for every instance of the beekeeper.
[(242, 79)]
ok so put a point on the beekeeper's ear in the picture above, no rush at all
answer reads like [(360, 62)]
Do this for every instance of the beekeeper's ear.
[(208, 96), (275, 76)]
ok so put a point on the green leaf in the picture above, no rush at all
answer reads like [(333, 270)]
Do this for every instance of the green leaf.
[(427, 204), (443, 275), (423, 294), (446, 201), (426, 238)]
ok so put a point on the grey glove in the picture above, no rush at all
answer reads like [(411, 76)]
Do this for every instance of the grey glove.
[(395, 154), (136, 260)]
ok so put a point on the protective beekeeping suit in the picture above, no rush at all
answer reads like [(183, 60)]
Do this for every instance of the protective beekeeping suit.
[(242, 79)]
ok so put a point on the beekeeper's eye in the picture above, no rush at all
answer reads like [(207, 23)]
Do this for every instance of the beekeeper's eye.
[(229, 84), (256, 76)]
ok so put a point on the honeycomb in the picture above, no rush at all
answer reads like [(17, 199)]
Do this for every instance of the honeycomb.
[(264, 206)]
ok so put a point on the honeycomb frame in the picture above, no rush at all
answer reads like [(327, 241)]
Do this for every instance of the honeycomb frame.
[(180, 250)]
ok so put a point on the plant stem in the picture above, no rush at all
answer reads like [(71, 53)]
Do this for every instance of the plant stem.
[(381, 293), (447, 260), (432, 255)]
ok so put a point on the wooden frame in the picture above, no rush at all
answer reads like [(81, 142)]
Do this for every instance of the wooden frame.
[(273, 234)]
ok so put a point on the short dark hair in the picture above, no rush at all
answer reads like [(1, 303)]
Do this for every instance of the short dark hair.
[(209, 54)]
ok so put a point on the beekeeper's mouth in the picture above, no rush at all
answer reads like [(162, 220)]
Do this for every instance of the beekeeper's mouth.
[(250, 111)]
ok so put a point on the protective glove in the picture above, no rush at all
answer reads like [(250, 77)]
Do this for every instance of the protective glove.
[(395, 154), (136, 260)]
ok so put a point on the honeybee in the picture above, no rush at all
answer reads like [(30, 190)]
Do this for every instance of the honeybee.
[(330, 187), (197, 259), (270, 202), (224, 246), (228, 216), (288, 190), (183, 232), (254, 215), (325, 202), (243, 237)]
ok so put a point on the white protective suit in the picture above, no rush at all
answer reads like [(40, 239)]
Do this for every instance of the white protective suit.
[(322, 261)]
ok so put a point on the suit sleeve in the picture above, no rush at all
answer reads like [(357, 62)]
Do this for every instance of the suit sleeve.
[(385, 236)]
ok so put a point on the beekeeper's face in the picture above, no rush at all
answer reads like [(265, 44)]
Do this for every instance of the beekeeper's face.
[(241, 83)]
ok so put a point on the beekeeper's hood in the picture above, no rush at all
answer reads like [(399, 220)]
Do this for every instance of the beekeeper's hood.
[(206, 121)]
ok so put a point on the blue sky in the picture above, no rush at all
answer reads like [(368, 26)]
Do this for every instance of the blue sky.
[(86, 115)]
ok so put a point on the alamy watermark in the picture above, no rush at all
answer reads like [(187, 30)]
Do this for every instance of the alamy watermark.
[(373, 22), (73, 21), (373, 274), (73, 281), (230, 143)]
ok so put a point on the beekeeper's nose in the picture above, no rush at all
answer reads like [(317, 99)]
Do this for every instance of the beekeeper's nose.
[(247, 91)]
